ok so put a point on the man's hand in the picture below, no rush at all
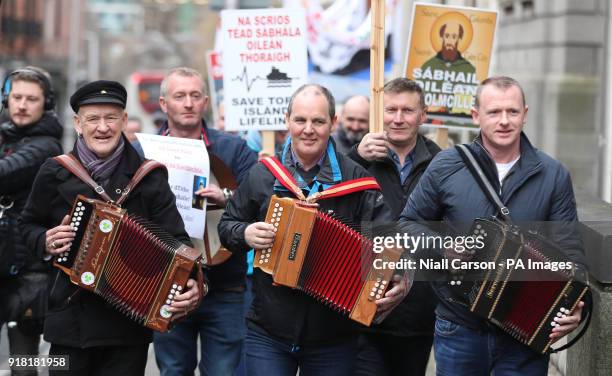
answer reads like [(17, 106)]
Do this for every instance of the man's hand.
[(186, 301), (259, 235), (59, 238), (394, 296), (373, 146), (567, 323), (213, 194)]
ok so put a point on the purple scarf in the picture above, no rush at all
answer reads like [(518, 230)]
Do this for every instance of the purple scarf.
[(100, 169)]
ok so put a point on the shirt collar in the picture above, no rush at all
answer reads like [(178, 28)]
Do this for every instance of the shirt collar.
[(395, 158)]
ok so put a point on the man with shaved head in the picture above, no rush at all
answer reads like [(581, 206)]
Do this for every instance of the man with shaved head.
[(354, 123), (288, 330)]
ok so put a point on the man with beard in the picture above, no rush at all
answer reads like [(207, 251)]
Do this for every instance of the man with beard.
[(449, 59), (354, 123), (31, 135)]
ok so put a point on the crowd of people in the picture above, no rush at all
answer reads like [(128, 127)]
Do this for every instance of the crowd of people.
[(282, 331)]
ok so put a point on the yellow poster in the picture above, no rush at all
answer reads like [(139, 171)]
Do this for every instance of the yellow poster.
[(449, 53)]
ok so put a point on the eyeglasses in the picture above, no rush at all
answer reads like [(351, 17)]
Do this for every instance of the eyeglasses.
[(94, 120)]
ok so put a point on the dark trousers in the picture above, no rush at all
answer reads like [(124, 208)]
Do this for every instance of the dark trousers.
[(21, 343), (387, 355), (103, 360), (267, 356)]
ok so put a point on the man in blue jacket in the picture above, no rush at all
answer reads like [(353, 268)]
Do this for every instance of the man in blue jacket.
[(219, 322), (533, 186)]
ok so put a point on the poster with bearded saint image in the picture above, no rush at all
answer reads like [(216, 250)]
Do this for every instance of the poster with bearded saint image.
[(449, 53)]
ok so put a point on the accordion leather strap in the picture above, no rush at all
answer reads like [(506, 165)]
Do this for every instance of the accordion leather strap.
[(284, 177), (72, 164), (144, 169)]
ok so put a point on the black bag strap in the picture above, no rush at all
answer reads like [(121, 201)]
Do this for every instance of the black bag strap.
[(483, 182)]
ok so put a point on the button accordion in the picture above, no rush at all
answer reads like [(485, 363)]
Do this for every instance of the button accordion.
[(325, 259), (524, 292), (133, 265)]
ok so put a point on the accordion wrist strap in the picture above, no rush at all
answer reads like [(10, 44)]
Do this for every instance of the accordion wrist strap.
[(72, 164), (284, 177)]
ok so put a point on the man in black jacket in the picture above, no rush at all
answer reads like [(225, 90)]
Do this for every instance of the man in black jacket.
[(99, 339), (288, 330), (31, 135), (397, 158)]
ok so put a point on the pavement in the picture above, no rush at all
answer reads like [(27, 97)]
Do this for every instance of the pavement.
[(152, 370)]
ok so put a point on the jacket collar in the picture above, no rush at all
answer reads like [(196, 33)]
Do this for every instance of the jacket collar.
[(47, 125), (528, 163), (421, 153), (329, 172)]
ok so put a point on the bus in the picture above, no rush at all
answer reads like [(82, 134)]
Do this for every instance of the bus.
[(143, 98)]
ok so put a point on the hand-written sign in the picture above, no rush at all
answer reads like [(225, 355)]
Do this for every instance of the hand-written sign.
[(188, 171), (264, 62)]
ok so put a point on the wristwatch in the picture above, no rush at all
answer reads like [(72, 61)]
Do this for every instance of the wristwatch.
[(227, 193)]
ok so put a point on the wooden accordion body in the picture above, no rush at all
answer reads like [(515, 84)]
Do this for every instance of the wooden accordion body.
[(131, 264), (325, 259), (523, 302)]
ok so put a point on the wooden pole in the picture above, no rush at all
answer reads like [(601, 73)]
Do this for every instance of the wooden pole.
[(377, 65), (441, 138), (267, 143)]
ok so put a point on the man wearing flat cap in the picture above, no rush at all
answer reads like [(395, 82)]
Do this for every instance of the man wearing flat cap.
[(98, 339)]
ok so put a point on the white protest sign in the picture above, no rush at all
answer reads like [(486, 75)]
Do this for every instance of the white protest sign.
[(188, 170), (264, 62)]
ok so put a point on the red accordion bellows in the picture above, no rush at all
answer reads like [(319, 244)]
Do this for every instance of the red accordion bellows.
[(332, 270), (521, 300), (324, 258), (132, 264)]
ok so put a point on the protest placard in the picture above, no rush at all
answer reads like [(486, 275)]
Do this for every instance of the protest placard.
[(449, 53), (188, 170), (215, 81), (264, 62)]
